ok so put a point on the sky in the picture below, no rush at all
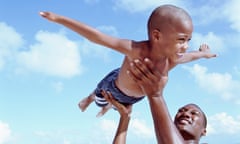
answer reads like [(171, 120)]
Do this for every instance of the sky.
[(46, 69)]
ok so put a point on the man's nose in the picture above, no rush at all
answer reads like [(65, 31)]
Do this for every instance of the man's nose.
[(186, 114)]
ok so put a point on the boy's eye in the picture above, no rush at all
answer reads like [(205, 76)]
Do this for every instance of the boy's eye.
[(181, 40)]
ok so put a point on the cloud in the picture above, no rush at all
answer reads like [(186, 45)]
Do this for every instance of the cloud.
[(134, 6), (10, 42), (222, 85), (107, 129), (5, 132), (91, 1), (58, 86), (222, 123), (231, 11), (215, 42), (140, 128), (227, 11), (94, 50), (53, 54), (237, 70), (207, 13)]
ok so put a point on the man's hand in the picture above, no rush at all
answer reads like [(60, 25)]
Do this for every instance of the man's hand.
[(123, 110), (149, 78)]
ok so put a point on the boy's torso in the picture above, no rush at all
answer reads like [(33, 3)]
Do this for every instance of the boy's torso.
[(126, 83)]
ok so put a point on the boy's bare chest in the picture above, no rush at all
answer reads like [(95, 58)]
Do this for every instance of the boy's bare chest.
[(125, 82)]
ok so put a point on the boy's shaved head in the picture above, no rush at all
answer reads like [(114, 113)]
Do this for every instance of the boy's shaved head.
[(167, 16)]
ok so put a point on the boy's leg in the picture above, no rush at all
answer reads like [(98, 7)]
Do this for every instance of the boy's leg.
[(83, 104)]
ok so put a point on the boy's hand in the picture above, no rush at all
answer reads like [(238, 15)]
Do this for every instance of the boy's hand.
[(49, 15), (204, 48)]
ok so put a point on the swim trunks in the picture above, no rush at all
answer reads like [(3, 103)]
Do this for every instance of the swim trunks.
[(108, 84)]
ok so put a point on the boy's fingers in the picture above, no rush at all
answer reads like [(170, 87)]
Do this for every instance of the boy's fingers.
[(43, 14)]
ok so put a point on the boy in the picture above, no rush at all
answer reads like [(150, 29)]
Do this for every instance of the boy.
[(169, 31)]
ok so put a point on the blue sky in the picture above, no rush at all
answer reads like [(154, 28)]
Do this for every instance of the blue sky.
[(46, 69)]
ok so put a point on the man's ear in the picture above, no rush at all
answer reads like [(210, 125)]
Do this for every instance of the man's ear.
[(204, 132)]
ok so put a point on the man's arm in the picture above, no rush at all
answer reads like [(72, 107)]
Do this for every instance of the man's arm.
[(92, 34), (165, 130), (204, 52), (121, 133), (153, 83)]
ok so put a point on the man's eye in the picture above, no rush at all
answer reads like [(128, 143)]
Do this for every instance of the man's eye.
[(181, 110), (195, 112)]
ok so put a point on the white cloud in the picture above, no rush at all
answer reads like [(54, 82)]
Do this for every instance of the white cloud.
[(65, 141), (91, 1), (58, 86), (54, 54), (215, 42), (137, 128), (108, 127), (207, 13), (227, 10), (222, 123), (95, 50), (10, 42), (222, 85), (141, 129), (102, 131), (231, 11), (5, 132), (237, 70), (137, 6)]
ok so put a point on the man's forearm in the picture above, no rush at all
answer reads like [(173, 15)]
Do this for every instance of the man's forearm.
[(121, 134), (165, 129)]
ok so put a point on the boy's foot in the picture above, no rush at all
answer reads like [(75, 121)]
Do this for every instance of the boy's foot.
[(104, 110), (83, 104)]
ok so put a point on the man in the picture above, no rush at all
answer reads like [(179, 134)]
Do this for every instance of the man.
[(189, 124)]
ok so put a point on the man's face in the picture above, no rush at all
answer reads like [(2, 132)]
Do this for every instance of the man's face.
[(189, 120)]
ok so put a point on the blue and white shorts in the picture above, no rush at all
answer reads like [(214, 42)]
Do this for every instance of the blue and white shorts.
[(108, 84)]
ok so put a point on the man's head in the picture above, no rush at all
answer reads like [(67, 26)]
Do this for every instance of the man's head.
[(191, 122), (169, 29)]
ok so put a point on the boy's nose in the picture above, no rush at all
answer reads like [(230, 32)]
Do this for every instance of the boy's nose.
[(185, 46)]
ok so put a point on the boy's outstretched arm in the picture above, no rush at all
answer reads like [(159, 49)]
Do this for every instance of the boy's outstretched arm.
[(203, 52), (92, 34)]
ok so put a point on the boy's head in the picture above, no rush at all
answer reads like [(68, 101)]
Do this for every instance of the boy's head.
[(167, 26), (166, 17)]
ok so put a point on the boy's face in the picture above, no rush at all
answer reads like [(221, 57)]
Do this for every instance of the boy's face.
[(175, 39)]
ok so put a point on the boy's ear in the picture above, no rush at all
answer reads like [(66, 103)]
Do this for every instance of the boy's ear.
[(156, 35)]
